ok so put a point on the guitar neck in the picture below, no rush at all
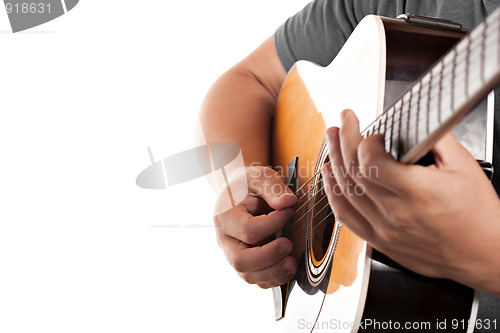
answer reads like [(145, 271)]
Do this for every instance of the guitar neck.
[(443, 95)]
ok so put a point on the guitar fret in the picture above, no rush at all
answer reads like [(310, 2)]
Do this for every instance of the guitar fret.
[(389, 130), (377, 126), (482, 50), (394, 134), (429, 90), (429, 102), (472, 62), (417, 111), (452, 81), (397, 148), (467, 67), (408, 144), (383, 122), (426, 114)]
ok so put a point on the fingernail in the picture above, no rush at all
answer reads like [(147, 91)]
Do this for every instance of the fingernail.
[(343, 116), (325, 169), (291, 201), (331, 133)]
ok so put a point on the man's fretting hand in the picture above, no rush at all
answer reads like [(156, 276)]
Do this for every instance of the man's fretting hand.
[(440, 220)]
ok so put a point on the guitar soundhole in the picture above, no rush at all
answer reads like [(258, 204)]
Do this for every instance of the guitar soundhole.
[(322, 223)]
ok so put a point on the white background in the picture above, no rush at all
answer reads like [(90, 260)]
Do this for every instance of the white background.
[(82, 248)]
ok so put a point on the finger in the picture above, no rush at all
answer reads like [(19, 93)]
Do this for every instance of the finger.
[(449, 153), (255, 205), (240, 224), (272, 276), (342, 208), (269, 185), (349, 138), (353, 190), (247, 259), (380, 168), (336, 167)]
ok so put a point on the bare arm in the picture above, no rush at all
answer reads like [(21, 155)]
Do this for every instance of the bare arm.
[(239, 108), (240, 105)]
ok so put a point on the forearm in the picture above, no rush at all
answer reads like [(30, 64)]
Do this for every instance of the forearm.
[(480, 266), (238, 109), (240, 105)]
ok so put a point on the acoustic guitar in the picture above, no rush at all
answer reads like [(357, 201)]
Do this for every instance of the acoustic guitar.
[(411, 79)]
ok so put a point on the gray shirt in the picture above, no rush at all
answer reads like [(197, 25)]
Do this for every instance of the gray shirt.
[(318, 32)]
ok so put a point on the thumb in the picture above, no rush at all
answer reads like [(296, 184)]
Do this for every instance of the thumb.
[(269, 185), (449, 153)]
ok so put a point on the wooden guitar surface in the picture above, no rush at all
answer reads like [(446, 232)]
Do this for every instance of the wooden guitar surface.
[(377, 64)]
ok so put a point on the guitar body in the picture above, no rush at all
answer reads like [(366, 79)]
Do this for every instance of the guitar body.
[(342, 285)]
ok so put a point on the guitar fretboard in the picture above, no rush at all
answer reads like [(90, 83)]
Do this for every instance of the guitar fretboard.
[(442, 96)]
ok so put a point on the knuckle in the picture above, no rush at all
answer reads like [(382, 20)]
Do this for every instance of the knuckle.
[(265, 285), (400, 217), (218, 221), (367, 155), (238, 263), (341, 217), (268, 259), (264, 177), (388, 237), (282, 280), (247, 278), (250, 237)]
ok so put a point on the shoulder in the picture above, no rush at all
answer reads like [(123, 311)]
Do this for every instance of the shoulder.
[(318, 32)]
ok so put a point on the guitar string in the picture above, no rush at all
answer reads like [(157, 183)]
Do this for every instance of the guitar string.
[(485, 31), (315, 185), (315, 205), (306, 193), (481, 73), (444, 70), (402, 112), (325, 219), (408, 108), (396, 118), (308, 202), (321, 188), (401, 99), (408, 104)]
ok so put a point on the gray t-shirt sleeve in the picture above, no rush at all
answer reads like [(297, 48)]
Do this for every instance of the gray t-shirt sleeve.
[(318, 32)]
